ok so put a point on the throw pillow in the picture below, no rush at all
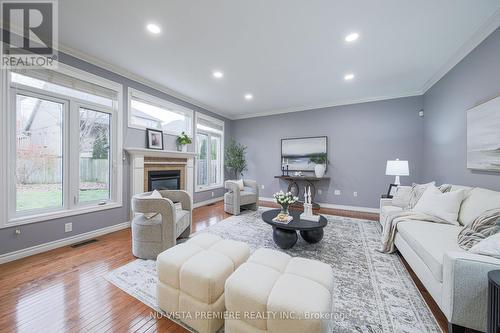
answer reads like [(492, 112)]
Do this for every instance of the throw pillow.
[(442, 205), (416, 192), (402, 196), (154, 195), (485, 225), (489, 246), (240, 184), (447, 188)]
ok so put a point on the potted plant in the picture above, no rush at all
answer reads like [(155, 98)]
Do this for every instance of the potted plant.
[(285, 200), (182, 140), (321, 161), (234, 158)]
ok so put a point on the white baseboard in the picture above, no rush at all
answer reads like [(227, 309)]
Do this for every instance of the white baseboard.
[(207, 202), (333, 206), (11, 256)]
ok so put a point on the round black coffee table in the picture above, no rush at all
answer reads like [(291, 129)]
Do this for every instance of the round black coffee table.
[(285, 235)]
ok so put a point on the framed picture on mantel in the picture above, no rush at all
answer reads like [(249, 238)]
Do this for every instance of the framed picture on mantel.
[(154, 139), (483, 136)]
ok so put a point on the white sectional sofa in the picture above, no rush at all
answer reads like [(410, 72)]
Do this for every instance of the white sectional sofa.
[(455, 278)]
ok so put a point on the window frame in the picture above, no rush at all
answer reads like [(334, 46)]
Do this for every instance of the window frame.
[(70, 206), (202, 188), (160, 103)]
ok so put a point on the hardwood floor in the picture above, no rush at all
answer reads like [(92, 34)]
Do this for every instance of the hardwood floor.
[(64, 290)]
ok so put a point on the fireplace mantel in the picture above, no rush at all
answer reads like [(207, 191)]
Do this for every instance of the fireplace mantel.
[(158, 153), (137, 156)]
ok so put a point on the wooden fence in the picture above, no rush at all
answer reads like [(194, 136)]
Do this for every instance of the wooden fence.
[(48, 170)]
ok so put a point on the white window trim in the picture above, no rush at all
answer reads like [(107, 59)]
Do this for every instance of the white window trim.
[(203, 188), (159, 103), (116, 181)]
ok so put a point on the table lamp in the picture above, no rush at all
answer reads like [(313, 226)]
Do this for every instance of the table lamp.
[(397, 168)]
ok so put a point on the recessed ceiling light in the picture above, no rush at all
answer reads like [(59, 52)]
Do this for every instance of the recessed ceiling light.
[(248, 97), (352, 37), (349, 76), (218, 74), (153, 28)]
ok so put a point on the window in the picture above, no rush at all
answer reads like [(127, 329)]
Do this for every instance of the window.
[(95, 130), (209, 152), (63, 130), (147, 111)]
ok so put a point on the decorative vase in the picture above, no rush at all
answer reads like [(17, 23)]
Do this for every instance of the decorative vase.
[(184, 148), (319, 170), (179, 147), (284, 210)]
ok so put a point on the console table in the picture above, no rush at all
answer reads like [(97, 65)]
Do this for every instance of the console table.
[(293, 186)]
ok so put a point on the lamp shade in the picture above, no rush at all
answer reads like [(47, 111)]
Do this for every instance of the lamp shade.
[(397, 168)]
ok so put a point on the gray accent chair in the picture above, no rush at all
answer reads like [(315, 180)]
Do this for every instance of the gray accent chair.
[(151, 236), (236, 199)]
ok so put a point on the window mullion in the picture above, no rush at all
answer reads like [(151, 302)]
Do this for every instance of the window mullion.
[(72, 145)]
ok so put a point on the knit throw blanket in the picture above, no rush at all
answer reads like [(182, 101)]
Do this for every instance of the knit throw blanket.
[(485, 225), (391, 222)]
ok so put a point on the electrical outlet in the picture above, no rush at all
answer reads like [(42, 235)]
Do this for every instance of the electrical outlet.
[(261, 187), (68, 227), (320, 191), (336, 192), (355, 194), (213, 194)]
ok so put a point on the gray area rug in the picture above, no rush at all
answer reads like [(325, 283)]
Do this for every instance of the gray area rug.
[(373, 292)]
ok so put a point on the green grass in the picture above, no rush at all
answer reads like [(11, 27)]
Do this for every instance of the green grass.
[(28, 200)]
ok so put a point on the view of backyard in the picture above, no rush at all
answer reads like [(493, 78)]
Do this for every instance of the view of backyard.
[(40, 155), (40, 196)]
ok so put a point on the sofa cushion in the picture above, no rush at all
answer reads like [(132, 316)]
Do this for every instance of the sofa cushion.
[(445, 206), (430, 241), (489, 246), (416, 192), (402, 196), (477, 202)]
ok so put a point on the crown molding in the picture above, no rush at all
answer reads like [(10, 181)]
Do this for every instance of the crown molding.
[(480, 35), (328, 105), (486, 29), (137, 78)]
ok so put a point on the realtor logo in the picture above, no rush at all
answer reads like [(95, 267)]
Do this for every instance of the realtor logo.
[(29, 33)]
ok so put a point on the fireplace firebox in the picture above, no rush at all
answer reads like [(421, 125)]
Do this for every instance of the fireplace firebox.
[(164, 180)]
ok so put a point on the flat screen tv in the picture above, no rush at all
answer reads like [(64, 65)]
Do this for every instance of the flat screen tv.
[(297, 152)]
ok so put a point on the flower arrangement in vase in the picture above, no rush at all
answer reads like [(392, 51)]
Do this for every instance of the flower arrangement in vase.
[(182, 140), (285, 200)]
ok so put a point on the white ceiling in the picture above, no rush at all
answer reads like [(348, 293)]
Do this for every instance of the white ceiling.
[(290, 54)]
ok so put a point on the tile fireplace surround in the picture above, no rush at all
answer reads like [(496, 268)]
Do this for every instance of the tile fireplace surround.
[(143, 160)]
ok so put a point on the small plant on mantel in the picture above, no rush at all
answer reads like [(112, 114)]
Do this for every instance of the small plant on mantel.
[(182, 140), (235, 160)]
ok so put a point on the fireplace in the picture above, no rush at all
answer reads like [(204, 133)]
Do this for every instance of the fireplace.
[(164, 180)]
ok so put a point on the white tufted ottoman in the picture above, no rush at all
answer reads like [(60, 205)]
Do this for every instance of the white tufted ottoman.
[(272, 290), (191, 279)]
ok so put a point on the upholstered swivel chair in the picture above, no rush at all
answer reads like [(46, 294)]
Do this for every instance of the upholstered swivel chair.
[(241, 194), (157, 224)]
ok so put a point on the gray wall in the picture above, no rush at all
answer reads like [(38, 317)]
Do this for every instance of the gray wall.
[(474, 80), (47, 231), (361, 138)]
